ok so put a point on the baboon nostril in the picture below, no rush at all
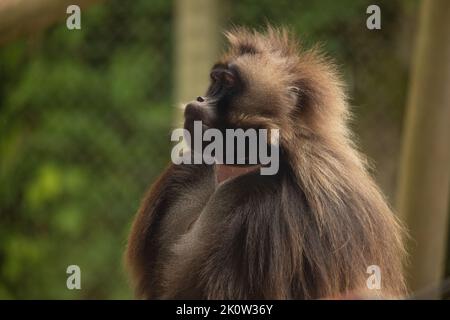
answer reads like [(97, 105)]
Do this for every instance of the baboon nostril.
[(200, 99)]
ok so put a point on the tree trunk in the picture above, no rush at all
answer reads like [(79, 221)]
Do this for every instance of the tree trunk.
[(423, 194), (197, 41)]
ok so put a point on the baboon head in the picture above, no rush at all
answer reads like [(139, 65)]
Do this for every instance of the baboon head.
[(267, 81)]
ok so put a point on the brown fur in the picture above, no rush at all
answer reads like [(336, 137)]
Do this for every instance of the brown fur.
[(309, 231)]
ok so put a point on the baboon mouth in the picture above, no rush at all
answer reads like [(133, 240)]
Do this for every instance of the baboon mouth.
[(189, 125)]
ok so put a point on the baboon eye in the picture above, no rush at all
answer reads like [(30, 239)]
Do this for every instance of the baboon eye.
[(224, 77), (216, 75), (228, 79), (213, 75)]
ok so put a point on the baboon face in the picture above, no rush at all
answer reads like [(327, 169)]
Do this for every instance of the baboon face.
[(267, 81), (251, 87)]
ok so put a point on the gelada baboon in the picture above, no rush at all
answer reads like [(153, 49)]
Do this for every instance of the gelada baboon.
[(309, 231)]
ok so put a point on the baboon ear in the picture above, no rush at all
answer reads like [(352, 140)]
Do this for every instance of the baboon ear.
[(305, 94), (294, 92)]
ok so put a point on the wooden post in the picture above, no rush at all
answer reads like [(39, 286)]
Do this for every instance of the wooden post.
[(423, 194)]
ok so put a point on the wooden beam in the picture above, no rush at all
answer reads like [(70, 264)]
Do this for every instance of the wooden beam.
[(22, 17)]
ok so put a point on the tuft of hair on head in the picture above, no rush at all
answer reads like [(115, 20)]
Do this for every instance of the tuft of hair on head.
[(313, 76), (250, 41)]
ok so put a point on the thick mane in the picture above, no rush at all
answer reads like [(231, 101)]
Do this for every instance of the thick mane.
[(355, 226)]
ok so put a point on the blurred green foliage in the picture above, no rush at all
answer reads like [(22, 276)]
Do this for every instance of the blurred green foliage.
[(85, 119)]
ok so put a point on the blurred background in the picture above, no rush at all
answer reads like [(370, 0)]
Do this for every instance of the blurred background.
[(86, 117)]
